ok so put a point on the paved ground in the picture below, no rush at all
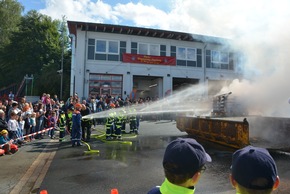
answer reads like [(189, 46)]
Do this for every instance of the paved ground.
[(131, 168), (25, 170)]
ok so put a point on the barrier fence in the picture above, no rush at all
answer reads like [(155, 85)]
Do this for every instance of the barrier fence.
[(25, 136)]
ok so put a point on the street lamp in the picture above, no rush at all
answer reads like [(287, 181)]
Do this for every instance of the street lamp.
[(26, 77), (62, 53), (61, 73)]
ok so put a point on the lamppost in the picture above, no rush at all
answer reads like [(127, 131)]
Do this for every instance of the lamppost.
[(26, 77), (62, 53), (61, 67)]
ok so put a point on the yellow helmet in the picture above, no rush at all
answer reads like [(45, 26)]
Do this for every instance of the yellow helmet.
[(3, 132)]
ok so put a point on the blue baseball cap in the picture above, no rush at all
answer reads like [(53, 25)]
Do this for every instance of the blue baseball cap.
[(186, 156), (254, 168)]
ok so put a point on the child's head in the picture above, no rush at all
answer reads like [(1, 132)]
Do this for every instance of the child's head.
[(28, 114), (20, 118), (13, 115), (33, 115)]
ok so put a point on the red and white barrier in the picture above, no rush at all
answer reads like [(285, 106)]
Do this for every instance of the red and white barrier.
[(38, 132)]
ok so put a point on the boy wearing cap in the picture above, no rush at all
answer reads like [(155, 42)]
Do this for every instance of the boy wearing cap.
[(183, 162), (254, 171)]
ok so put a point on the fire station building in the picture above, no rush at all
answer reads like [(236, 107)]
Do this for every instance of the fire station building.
[(138, 62)]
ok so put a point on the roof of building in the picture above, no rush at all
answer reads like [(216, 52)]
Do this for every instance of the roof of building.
[(146, 32)]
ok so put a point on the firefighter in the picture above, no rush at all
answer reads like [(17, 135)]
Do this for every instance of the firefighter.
[(86, 123), (138, 117), (124, 120), (62, 125), (110, 123), (76, 126), (133, 120), (118, 126), (69, 119)]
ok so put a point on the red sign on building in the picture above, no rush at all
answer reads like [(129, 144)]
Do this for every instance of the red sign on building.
[(148, 59)]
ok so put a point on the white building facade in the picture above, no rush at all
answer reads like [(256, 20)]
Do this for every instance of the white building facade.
[(137, 62)]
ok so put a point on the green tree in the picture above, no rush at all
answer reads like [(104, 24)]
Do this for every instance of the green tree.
[(63, 64), (10, 15), (35, 49)]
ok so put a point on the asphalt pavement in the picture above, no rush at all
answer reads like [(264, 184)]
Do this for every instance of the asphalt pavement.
[(133, 165)]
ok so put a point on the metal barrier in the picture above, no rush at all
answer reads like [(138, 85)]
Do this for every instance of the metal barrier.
[(229, 133)]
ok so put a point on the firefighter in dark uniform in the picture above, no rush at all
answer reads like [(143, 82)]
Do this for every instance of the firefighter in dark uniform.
[(110, 123), (69, 119), (76, 126), (138, 117), (124, 120), (133, 120), (86, 123), (62, 125), (118, 126)]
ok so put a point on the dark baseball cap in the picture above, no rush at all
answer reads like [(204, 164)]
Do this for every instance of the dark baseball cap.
[(186, 155), (254, 168)]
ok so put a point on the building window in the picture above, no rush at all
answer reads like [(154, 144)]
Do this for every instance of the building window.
[(186, 53), (91, 49), (189, 57), (105, 50), (231, 61), (101, 46), (148, 49), (215, 57), (191, 54), (162, 50), (219, 60), (181, 53), (154, 49), (219, 57), (224, 57), (134, 47), (143, 49), (113, 47), (173, 51), (208, 58), (199, 57), (122, 49)]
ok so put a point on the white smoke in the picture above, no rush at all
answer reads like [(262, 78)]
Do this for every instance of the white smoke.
[(260, 30)]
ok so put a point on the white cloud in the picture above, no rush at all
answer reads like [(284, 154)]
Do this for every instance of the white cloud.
[(79, 10), (141, 15)]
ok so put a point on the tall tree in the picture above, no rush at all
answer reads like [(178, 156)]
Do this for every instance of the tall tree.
[(63, 66), (34, 49), (10, 15)]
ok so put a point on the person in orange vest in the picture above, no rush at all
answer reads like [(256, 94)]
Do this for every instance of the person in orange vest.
[(76, 126)]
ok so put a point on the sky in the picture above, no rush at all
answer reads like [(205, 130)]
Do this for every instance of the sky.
[(258, 28)]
